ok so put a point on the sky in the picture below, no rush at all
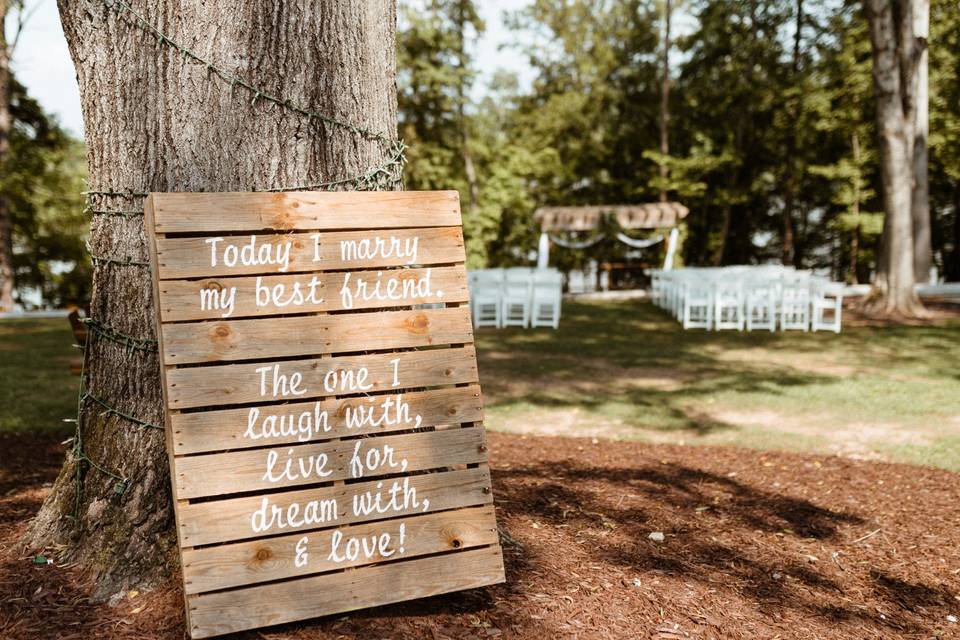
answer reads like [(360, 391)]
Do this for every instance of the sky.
[(42, 61)]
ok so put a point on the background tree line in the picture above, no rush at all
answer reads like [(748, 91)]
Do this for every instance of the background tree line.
[(771, 138), (42, 168), (772, 132)]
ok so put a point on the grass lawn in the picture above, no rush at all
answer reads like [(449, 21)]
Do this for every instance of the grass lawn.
[(37, 390), (627, 370)]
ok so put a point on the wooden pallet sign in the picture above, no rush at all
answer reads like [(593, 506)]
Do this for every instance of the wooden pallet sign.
[(323, 413)]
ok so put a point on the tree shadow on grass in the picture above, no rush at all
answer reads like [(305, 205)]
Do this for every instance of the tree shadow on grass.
[(606, 359), (657, 409), (629, 332)]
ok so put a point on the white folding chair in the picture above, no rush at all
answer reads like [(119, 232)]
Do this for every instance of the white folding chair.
[(656, 286), (795, 304), (697, 305), (515, 299), (827, 306), (485, 298), (761, 304), (575, 281), (728, 305), (546, 298), (679, 297)]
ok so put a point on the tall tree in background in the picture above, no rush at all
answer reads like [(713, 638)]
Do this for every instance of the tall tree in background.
[(793, 165), (920, 197), (842, 115), (771, 126), (41, 238), (896, 56), (945, 134), (41, 183), (7, 7), (435, 80), (466, 16), (665, 98), (156, 120), (457, 143), (736, 85)]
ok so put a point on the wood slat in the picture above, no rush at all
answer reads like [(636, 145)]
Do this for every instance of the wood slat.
[(228, 340), (227, 520), (181, 257), (275, 471), (228, 611), (268, 469), (211, 212), (218, 385), (215, 298), (243, 563), (227, 429)]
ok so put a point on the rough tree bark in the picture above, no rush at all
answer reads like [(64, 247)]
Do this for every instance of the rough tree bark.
[(6, 224), (895, 56), (157, 122), (920, 202)]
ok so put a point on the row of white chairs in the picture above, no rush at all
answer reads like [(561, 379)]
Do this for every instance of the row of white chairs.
[(749, 298), (515, 297)]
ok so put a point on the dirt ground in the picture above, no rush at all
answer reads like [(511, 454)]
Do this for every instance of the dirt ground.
[(755, 545)]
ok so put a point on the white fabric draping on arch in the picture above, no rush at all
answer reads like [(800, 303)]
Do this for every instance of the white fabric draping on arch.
[(638, 244), (575, 244)]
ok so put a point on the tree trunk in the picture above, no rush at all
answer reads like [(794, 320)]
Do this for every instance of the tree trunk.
[(721, 249), (788, 251), (157, 120), (952, 268), (6, 223), (894, 50), (665, 100), (920, 207), (855, 232), (469, 171)]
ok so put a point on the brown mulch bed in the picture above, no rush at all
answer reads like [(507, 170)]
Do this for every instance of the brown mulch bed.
[(756, 545)]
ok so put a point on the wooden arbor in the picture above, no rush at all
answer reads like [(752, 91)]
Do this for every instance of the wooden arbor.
[(648, 216)]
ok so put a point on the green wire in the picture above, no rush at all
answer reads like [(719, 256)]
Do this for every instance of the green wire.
[(386, 175)]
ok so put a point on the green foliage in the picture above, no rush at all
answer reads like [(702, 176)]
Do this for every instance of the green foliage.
[(447, 129), (763, 124), (687, 176), (42, 182)]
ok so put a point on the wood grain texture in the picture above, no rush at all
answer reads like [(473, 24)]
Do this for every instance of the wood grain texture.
[(260, 296), (244, 563), (216, 385), (180, 257), (199, 432), (227, 520), (315, 210), (218, 474), (341, 458), (248, 608), (229, 340)]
